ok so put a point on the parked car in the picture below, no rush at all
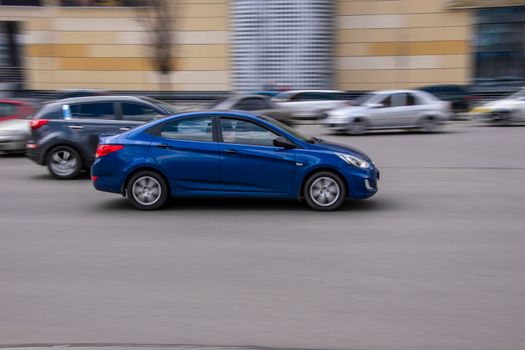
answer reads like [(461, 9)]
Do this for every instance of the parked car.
[(64, 134), (14, 109), (229, 154), (508, 110), (459, 96), (312, 104), (390, 109), (258, 104), (13, 135)]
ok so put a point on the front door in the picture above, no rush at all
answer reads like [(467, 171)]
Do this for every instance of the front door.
[(249, 160), (187, 152)]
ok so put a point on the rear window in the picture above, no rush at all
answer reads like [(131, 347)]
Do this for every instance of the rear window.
[(97, 110), (54, 112)]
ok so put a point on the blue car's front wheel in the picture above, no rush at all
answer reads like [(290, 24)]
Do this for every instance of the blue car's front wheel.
[(324, 191), (147, 190)]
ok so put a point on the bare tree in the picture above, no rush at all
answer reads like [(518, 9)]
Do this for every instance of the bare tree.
[(157, 19)]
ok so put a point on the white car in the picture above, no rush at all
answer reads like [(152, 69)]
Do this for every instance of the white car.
[(390, 109), (311, 104), (505, 111)]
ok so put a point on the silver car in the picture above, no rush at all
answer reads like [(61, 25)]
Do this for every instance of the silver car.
[(507, 110), (13, 135), (311, 104), (390, 109)]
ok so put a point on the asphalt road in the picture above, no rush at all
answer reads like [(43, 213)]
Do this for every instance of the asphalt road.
[(434, 261)]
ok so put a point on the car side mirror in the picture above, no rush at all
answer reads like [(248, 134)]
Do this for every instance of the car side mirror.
[(284, 143), (374, 105)]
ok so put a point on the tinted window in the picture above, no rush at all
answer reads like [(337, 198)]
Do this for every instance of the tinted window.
[(386, 102), (7, 109), (50, 113), (246, 133), (411, 100), (135, 111), (191, 129), (312, 96), (252, 104), (98, 110)]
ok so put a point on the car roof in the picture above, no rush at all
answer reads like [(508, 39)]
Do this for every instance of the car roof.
[(301, 91), (394, 91), (98, 99)]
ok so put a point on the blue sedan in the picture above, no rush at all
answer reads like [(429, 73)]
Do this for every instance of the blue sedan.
[(214, 153)]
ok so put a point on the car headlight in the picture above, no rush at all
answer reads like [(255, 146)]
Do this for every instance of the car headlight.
[(353, 160)]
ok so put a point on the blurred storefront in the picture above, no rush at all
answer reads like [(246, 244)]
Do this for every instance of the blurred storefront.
[(246, 45)]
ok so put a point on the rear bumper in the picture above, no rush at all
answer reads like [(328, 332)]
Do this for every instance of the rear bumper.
[(12, 144)]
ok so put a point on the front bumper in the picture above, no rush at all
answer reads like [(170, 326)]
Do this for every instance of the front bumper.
[(363, 185)]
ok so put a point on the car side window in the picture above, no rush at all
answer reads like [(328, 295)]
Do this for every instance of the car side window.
[(386, 102), (246, 133), (188, 129), (411, 100), (399, 100), (7, 109), (137, 112), (96, 110)]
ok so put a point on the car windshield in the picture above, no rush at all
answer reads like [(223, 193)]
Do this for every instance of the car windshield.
[(164, 105), (520, 95), (363, 99), (288, 129)]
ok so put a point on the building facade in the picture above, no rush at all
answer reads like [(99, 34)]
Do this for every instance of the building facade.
[(246, 45)]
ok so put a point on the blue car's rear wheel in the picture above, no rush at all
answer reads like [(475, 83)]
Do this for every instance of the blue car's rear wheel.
[(324, 191), (147, 190)]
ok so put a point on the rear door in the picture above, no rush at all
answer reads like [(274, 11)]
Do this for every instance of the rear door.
[(187, 151), (87, 121)]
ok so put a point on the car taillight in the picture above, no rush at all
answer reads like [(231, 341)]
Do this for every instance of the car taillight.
[(37, 123), (103, 150)]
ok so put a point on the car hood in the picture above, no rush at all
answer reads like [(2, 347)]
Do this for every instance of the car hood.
[(505, 103), (335, 147), (15, 125)]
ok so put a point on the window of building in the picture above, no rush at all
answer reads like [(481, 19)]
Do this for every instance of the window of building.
[(500, 45), (21, 2), (102, 3)]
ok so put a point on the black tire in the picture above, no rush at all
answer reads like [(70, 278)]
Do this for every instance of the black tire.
[(324, 202), (428, 124), (64, 163), (143, 196), (357, 127)]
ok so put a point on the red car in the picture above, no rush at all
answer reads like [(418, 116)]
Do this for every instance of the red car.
[(13, 109)]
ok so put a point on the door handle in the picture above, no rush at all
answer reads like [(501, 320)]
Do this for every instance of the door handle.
[(231, 151), (125, 129), (164, 146), (76, 127)]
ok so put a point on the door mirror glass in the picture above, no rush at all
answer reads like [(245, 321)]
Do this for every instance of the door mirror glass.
[(283, 142)]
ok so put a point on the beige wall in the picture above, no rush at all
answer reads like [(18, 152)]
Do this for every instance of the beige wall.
[(378, 44), (401, 43), (108, 47)]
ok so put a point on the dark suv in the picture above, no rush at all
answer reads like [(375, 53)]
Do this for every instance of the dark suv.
[(64, 134)]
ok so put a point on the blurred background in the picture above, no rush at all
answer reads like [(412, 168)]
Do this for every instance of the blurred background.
[(175, 46)]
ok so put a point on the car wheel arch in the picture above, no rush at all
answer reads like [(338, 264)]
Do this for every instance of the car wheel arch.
[(143, 168), (49, 149), (321, 169)]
